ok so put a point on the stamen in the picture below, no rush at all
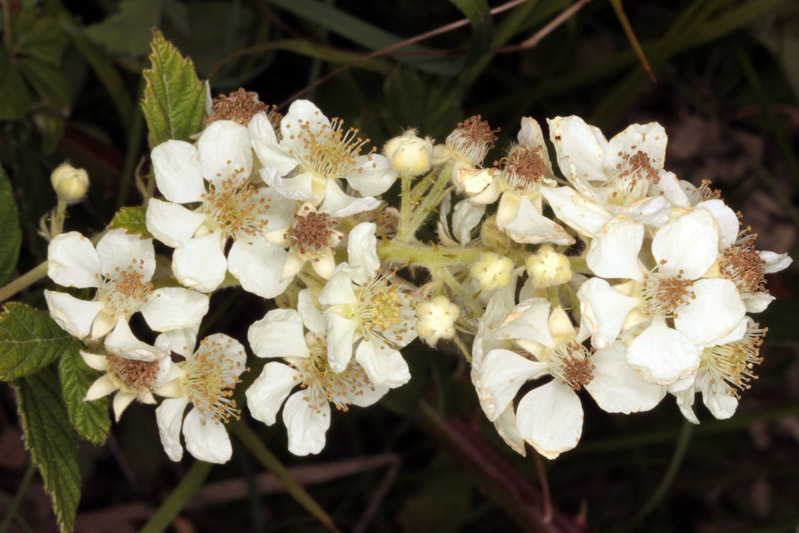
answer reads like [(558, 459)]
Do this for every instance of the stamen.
[(325, 385), (234, 207), (662, 294), (571, 363), (632, 179), (212, 376), (239, 106), (384, 308), (523, 169), (312, 231), (473, 138), (328, 150), (133, 373), (733, 364), (741, 264), (125, 291)]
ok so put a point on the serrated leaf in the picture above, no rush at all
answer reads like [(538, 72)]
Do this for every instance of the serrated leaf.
[(127, 31), (90, 419), (29, 340), (174, 98), (10, 232), (51, 441), (132, 220)]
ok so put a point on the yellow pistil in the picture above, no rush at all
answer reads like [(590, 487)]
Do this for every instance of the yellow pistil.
[(380, 309)]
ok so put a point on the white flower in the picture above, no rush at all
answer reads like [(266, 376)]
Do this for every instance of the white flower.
[(120, 268), (315, 154), (726, 370), (209, 375), (465, 217), (529, 343), (548, 268), (435, 319), (363, 302), (492, 271), (133, 369), (306, 413), (230, 207), (466, 147), (518, 184), (623, 176), (673, 289)]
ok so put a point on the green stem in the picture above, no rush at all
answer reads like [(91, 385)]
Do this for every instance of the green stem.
[(258, 449), (461, 292), (671, 472), (131, 156), (405, 208), (11, 511), (426, 256), (25, 280), (176, 501), (432, 199)]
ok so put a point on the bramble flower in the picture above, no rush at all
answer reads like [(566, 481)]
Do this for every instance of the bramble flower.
[(306, 413), (229, 207), (466, 147), (364, 303), (208, 376), (69, 183), (314, 154), (132, 369), (409, 154), (492, 271), (672, 290), (435, 319), (120, 268), (528, 343)]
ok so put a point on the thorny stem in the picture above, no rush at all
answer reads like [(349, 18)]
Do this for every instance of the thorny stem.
[(461, 292), (405, 208), (463, 348), (427, 256), (432, 200)]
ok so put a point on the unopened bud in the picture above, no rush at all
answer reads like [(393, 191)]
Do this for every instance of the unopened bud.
[(492, 271), (409, 153), (548, 268), (70, 183), (435, 319)]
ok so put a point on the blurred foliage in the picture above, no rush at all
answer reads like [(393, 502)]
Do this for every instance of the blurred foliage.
[(727, 89)]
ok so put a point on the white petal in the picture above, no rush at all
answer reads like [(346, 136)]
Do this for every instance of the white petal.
[(373, 176), (648, 138), (302, 112), (717, 398), (258, 266), (306, 425), (685, 401), (172, 224), (174, 308), (338, 204), (528, 321), (270, 390), (362, 251), (264, 143), (662, 355), (121, 402), (95, 361), (364, 394), (325, 264), (311, 316), (499, 378), (465, 218), (121, 341), (716, 310), (180, 341), (227, 353), (72, 261), (297, 188), (669, 187), (118, 250), (169, 416), (178, 174), (614, 252), (384, 365), (278, 334), (603, 310), (726, 221), (505, 425), (206, 438), (654, 212), (102, 386), (200, 264), (224, 147), (73, 315), (531, 227), (617, 388), (338, 289), (775, 262), (690, 243), (340, 333), (584, 215), (579, 149), (758, 302), (550, 418)]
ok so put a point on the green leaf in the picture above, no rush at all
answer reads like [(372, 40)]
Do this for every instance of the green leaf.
[(38, 38), (479, 15), (10, 233), (90, 419), (127, 32), (47, 80), (132, 220), (29, 341), (15, 96), (174, 98), (51, 441)]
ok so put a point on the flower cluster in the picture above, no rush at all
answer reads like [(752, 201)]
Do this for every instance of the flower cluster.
[(611, 276)]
